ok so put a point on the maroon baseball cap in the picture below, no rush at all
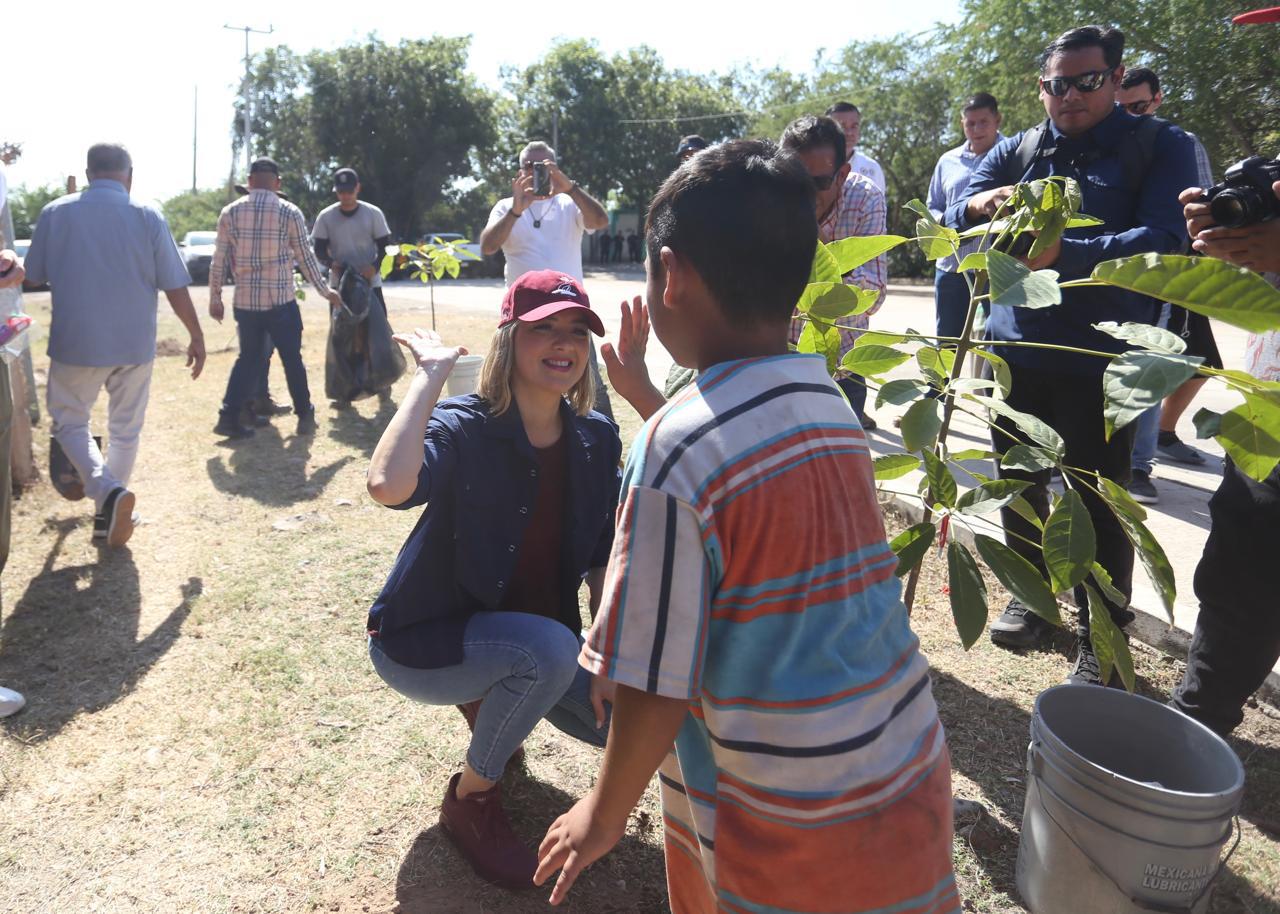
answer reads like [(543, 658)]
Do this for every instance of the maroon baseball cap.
[(541, 293), (1256, 16)]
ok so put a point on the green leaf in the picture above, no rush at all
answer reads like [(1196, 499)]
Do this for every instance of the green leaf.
[(1119, 500), (1205, 285), (1208, 423), (1145, 546), (999, 367), (1069, 542), (1144, 335), (828, 300), (388, 264), (873, 361), (824, 267), (977, 231), (975, 261), (1250, 434), (1035, 429), (941, 360), (965, 385), (876, 338), (920, 424), (822, 339), (1023, 509), (936, 241), (990, 496), (942, 485), (453, 268), (968, 594), (1103, 579), (1019, 577), (893, 466), (1109, 645), (407, 249), (1028, 459), (851, 253), (973, 453), (911, 545), (1012, 283), (1050, 230), (900, 391), (1137, 380)]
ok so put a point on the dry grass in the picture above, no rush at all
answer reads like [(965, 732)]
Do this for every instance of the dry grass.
[(205, 733)]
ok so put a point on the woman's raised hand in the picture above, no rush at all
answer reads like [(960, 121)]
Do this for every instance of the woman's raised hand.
[(429, 351)]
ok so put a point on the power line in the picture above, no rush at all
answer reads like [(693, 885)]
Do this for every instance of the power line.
[(678, 120)]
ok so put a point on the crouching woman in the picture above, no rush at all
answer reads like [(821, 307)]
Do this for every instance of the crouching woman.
[(520, 482)]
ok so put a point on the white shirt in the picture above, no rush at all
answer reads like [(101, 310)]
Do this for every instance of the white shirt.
[(554, 244), (869, 168)]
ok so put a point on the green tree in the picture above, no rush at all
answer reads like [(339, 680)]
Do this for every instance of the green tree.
[(407, 117), (25, 204), (188, 212)]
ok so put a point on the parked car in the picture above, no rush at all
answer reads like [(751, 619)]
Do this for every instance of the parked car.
[(197, 252)]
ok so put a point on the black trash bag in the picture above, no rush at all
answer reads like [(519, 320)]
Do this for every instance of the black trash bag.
[(361, 358)]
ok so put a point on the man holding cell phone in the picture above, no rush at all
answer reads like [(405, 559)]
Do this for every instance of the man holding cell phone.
[(540, 226)]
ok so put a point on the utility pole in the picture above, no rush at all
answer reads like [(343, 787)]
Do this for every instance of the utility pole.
[(555, 131), (248, 115), (195, 122)]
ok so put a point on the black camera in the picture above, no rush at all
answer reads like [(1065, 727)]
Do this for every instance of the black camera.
[(1245, 196)]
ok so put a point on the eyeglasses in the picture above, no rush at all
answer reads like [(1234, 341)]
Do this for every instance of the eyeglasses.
[(822, 182), (1139, 107), (1092, 81)]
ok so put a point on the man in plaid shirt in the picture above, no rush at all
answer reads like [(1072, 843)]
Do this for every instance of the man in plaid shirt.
[(265, 237), (847, 204)]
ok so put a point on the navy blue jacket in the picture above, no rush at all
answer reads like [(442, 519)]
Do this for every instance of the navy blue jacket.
[(1136, 220), (478, 480)]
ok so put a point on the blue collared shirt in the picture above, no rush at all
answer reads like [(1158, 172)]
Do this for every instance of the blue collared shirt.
[(950, 179), (1136, 220), (104, 257), (478, 480)]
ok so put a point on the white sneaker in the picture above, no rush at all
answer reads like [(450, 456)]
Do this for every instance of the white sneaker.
[(11, 702)]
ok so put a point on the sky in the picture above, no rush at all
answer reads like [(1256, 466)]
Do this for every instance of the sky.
[(79, 73)]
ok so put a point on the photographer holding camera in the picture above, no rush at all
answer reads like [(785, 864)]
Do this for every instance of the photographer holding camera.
[(540, 226), (1237, 637)]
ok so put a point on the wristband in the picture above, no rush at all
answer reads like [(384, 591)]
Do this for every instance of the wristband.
[(512, 213)]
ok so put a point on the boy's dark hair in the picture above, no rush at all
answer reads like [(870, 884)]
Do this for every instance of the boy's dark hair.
[(841, 108), (741, 214), (1110, 40), (1136, 76), (812, 132), (981, 100)]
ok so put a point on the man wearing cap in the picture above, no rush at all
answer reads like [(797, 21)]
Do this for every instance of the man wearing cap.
[(1237, 638), (689, 147), (545, 232), (353, 234), (264, 236), (105, 257)]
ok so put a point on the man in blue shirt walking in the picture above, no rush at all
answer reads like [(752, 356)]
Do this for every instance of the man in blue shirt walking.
[(1092, 140), (104, 258), (980, 121)]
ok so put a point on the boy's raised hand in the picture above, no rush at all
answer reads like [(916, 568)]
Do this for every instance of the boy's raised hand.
[(573, 842), (624, 362)]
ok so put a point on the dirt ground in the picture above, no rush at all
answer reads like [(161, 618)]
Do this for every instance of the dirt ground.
[(206, 734)]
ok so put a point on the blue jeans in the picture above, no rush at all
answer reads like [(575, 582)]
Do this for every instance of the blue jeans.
[(950, 302), (1144, 442), (524, 667), (281, 326)]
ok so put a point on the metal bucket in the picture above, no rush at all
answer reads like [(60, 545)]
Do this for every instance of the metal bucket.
[(1129, 804)]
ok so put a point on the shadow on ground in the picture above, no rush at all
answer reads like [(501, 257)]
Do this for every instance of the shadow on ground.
[(71, 643), (272, 469), (434, 878), (347, 425)]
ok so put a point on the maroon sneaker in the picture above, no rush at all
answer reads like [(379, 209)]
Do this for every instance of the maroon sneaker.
[(470, 711), (480, 830)]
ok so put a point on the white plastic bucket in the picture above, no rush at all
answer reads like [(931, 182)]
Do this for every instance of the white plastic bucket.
[(1129, 804), (465, 376)]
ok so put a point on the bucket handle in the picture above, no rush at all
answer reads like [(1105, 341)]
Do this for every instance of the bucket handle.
[(1153, 906)]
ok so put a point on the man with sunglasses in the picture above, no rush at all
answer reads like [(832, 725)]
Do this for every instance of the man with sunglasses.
[(846, 204), (1092, 140), (1140, 95)]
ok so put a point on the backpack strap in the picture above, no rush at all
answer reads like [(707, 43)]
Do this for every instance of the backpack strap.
[(1016, 166), (1137, 149)]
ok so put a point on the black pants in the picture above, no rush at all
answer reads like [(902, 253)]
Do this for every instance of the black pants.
[(1237, 637), (1072, 405)]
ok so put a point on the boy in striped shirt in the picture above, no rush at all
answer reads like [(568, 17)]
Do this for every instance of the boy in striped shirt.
[(752, 623)]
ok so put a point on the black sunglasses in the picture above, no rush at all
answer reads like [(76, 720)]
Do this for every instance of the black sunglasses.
[(1138, 107), (822, 182), (1092, 81)]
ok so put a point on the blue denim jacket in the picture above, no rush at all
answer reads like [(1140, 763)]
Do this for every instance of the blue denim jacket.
[(1136, 220), (478, 480)]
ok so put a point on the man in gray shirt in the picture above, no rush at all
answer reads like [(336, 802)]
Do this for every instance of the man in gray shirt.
[(104, 258), (361, 358)]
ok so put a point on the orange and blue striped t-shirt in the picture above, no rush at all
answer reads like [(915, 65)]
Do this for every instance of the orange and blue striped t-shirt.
[(750, 574)]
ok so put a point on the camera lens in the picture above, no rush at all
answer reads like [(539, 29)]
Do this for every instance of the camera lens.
[(1236, 206)]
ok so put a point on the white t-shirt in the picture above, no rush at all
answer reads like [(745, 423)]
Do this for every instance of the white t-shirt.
[(554, 244), (868, 167)]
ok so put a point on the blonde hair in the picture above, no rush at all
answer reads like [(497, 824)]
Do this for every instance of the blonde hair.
[(500, 363)]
